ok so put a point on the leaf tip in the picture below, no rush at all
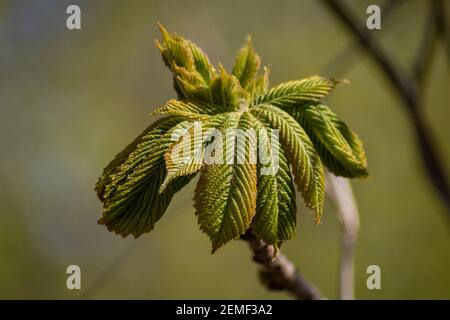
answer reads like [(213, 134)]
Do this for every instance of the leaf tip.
[(163, 31), (318, 211), (249, 40), (366, 176), (159, 45), (101, 221), (317, 219), (214, 248), (340, 81), (164, 185)]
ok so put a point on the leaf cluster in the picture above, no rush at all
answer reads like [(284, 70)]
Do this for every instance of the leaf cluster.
[(231, 198)]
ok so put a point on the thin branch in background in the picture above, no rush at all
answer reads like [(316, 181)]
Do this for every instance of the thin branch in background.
[(406, 89), (340, 191), (443, 29), (345, 59), (427, 46), (279, 273), (398, 79)]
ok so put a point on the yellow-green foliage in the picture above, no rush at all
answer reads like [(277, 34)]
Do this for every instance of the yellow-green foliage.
[(138, 185)]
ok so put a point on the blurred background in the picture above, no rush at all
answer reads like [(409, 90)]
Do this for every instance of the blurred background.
[(70, 100)]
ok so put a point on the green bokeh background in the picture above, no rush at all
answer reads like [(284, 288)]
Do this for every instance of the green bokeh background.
[(70, 100)]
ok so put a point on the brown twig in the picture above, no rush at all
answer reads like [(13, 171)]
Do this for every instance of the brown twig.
[(406, 89), (278, 272)]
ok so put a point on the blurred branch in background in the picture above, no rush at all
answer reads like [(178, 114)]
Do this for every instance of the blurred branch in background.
[(346, 58), (436, 26), (405, 86), (427, 47), (278, 272), (340, 191)]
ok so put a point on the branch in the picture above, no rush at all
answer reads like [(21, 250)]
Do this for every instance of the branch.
[(442, 25), (399, 81), (344, 59), (428, 45), (340, 191), (406, 90), (278, 272)]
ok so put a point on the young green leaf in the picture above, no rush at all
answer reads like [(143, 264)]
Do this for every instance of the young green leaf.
[(191, 141), (202, 64), (305, 161), (247, 64), (275, 218), (227, 91), (339, 148), (131, 201), (225, 197), (190, 110), (192, 71), (294, 93), (259, 85), (120, 158)]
